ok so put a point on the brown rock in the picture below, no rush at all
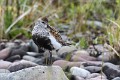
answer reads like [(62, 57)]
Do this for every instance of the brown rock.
[(4, 64), (4, 53), (61, 63), (83, 57)]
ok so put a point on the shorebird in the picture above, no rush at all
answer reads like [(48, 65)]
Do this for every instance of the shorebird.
[(46, 37)]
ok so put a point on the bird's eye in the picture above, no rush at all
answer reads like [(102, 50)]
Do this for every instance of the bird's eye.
[(43, 22)]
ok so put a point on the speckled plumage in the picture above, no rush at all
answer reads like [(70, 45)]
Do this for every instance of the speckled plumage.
[(46, 36)]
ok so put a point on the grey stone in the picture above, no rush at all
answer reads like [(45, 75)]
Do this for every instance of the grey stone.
[(76, 78), (21, 65), (106, 56), (29, 58), (93, 63), (36, 73), (66, 49), (101, 48), (10, 44), (33, 54), (33, 47), (117, 78), (81, 52), (79, 72), (22, 50), (17, 41), (111, 70), (93, 75), (13, 58), (4, 71), (93, 69), (96, 76), (2, 45)]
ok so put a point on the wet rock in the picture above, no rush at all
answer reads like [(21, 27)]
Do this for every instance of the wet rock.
[(5, 64), (93, 69), (20, 65), (117, 78), (66, 49), (4, 71), (61, 63), (111, 70), (5, 53), (79, 72), (13, 58), (37, 73)]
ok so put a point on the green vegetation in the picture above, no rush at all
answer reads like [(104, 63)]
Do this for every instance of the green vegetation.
[(16, 16)]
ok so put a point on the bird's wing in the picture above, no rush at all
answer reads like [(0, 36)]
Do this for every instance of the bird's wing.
[(56, 34)]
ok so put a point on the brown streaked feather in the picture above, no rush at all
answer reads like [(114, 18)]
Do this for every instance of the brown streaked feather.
[(56, 34)]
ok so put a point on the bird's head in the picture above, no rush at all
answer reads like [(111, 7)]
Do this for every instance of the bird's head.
[(42, 22)]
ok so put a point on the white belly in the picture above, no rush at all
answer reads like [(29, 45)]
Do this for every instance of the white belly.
[(54, 42)]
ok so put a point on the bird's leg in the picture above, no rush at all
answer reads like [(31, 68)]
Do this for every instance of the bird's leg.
[(46, 61), (50, 58)]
